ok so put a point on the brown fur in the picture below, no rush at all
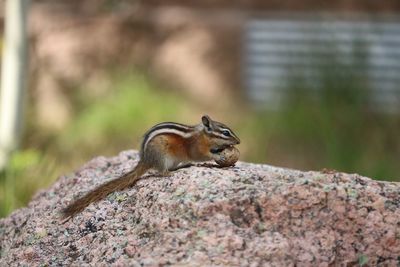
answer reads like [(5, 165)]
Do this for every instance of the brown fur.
[(103, 190), (176, 146), (198, 147)]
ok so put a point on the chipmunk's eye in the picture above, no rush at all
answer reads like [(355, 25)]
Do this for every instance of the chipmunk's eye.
[(226, 132)]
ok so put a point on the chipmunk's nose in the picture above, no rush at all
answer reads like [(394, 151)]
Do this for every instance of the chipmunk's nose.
[(237, 141)]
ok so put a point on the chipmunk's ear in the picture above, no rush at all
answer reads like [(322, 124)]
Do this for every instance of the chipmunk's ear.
[(206, 122)]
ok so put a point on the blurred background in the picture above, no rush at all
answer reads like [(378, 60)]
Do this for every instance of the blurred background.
[(304, 84)]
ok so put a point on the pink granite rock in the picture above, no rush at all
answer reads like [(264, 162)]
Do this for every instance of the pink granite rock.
[(247, 215)]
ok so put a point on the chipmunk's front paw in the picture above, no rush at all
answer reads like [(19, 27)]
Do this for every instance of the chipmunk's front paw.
[(227, 156)]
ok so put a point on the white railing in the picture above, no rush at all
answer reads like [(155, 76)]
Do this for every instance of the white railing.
[(278, 51)]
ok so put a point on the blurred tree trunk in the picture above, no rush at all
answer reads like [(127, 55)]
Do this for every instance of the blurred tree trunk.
[(14, 67)]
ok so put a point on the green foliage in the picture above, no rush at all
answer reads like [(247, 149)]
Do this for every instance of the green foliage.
[(311, 134), (27, 172), (119, 116)]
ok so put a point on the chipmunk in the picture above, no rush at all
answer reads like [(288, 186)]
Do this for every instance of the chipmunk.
[(166, 147)]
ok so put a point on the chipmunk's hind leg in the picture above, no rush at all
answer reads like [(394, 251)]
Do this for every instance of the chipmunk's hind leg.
[(158, 160)]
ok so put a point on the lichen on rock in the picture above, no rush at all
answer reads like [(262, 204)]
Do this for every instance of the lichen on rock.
[(246, 215)]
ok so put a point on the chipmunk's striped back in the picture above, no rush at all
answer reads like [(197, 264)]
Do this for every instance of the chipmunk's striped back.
[(213, 129), (167, 128)]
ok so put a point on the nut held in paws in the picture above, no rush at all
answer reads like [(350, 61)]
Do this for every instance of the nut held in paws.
[(227, 157)]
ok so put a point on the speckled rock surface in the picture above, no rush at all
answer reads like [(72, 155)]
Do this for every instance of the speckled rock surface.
[(247, 215)]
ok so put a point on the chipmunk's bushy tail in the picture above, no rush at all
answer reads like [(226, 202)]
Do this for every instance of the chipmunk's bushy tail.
[(103, 190)]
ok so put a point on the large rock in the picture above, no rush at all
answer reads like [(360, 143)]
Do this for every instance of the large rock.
[(248, 215)]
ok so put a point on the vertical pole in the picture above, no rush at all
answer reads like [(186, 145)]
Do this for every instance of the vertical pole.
[(13, 77)]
